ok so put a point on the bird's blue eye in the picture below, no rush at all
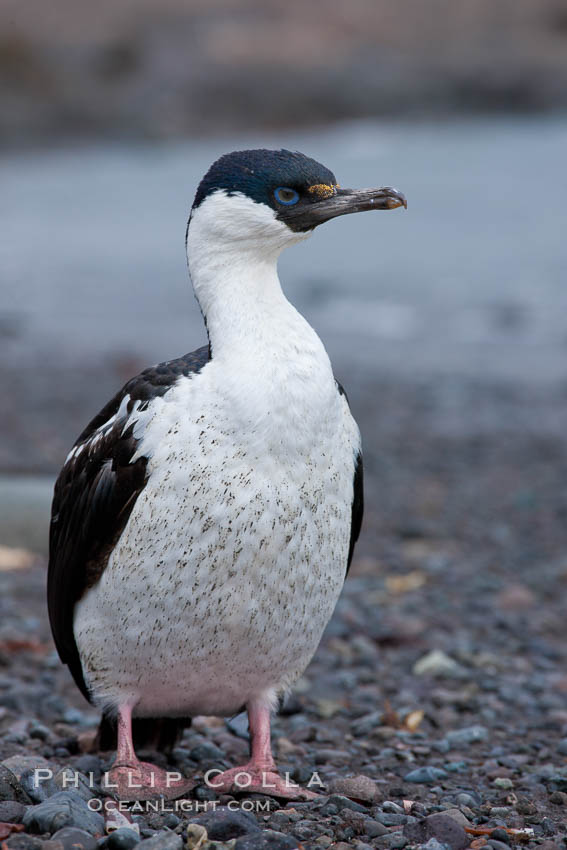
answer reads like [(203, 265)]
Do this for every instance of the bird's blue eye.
[(286, 196)]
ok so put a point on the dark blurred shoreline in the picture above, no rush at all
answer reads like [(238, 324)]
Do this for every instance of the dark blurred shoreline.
[(173, 70)]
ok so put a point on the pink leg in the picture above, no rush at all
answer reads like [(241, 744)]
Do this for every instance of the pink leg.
[(132, 779), (259, 773)]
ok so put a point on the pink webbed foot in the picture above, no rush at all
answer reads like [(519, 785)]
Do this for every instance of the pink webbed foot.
[(253, 779), (141, 780)]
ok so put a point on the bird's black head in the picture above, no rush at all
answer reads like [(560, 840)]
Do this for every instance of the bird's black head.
[(300, 191)]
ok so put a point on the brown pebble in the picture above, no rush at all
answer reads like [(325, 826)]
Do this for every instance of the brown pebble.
[(356, 787)]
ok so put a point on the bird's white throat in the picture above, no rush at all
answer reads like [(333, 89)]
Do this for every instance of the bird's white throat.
[(233, 245)]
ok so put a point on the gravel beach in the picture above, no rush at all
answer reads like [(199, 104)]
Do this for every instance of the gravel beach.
[(440, 683)]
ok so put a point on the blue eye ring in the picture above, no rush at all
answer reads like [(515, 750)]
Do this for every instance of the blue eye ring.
[(289, 198)]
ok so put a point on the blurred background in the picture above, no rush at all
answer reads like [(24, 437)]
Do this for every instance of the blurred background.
[(446, 323)]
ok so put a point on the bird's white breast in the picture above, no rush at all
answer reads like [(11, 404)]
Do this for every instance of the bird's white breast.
[(235, 553)]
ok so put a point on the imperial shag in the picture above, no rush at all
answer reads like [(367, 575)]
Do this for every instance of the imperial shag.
[(204, 521)]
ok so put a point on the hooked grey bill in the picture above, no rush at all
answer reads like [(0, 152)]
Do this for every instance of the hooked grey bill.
[(342, 202)]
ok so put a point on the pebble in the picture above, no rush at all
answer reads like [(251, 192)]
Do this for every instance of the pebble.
[(11, 811), (499, 812), (374, 828), (434, 844), (457, 816), (445, 829), (357, 787), (391, 818), (122, 839), (38, 787), (266, 840), (10, 788), (196, 836), (71, 838), (207, 751), (21, 764), (497, 845), (66, 808), (70, 779), (88, 764), (394, 841), (341, 802), (224, 824), (390, 806), (503, 782), (425, 775), (435, 663), (239, 726), (465, 737), (22, 841), (164, 840), (525, 807), (363, 726), (500, 835)]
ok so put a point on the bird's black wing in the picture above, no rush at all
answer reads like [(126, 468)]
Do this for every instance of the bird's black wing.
[(357, 498), (94, 496)]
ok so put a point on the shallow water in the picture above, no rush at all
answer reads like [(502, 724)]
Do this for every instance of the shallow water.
[(470, 279)]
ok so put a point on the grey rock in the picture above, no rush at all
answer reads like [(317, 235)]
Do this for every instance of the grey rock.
[(37, 786), (391, 818), (558, 783), (10, 788), (207, 751), (72, 838), (344, 803), (433, 844), (66, 808), (562, 747), (394, 841), (122, 839), (68, 779), (21, 764), (500, 835), (22, 841), (438, 826), (364, 725), (467, 736), (38, 730), (267, 840), (224, 824), (497, 845), (11, 811), (457, 816), (467, 798), (390, 806), (88, 764), (374, 828), (425, 775), (164, 840), (239, 726)]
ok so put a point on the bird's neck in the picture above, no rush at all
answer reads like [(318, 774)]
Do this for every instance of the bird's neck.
[(245, 310)]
